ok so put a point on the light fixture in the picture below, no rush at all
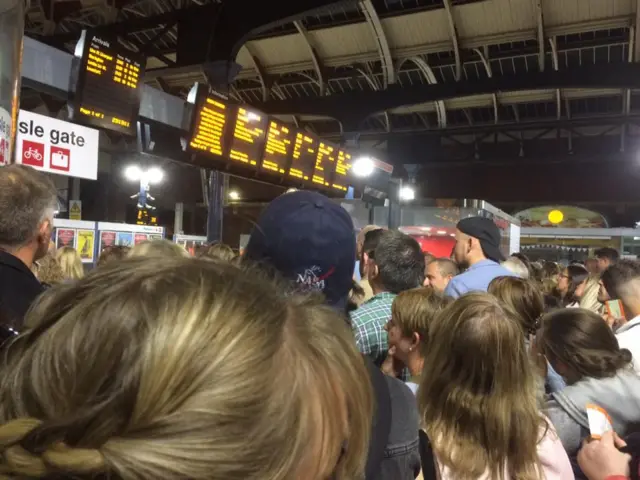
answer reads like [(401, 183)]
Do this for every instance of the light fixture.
[(442, 232), (155, 175), (234, 195), (363, 167), (133, 173), (555, 217), (407, 193)]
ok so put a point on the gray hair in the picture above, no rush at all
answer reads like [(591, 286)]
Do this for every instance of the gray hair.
[(27, 198), (516, 266)]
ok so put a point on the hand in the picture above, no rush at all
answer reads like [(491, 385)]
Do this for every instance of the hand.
[(391, 365), (600, 459)]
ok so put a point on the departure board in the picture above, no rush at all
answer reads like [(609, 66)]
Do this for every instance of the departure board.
[(325, 164), (277, 149), (108, 85), (343, 166), (248, 137), (303, 159), (209, 124)]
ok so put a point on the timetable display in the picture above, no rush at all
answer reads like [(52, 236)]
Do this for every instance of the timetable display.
[(303, 159), (248, 137), (343, 166), (108, 85), (325, 164), (278, 148), (209, 126)]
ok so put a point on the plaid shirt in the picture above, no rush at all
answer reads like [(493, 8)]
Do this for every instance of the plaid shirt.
[(368, 323)]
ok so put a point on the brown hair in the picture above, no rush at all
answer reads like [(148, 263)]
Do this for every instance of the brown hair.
[(582, 341), (217, 251), (521, 296), (113, 253), (158, 248), (414, 311), (479, 407), (182, 369)]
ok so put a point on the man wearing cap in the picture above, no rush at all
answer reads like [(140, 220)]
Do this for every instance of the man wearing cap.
[(478, 250), (310, 241)]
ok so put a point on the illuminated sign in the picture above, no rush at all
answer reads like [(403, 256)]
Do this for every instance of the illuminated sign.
[(343, 165), (209, 123), (304, 156), (277, 149), (325, 164), (248, 137), (108, 84)]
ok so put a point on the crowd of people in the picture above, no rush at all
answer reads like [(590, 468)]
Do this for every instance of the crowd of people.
[(316, 355)]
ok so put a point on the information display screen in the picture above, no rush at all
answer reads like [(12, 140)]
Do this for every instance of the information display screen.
[(277, 150), (325, 164), (248, 137), (239, 138), (343, 166), (108, 86), (209, 126), (303, 159)]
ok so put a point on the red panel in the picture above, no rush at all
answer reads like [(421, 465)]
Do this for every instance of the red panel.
[(439, 246)]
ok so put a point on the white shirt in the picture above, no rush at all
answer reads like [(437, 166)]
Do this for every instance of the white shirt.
[(628, 336)]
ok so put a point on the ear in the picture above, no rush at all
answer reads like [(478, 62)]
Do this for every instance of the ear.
[(45, 230), (375, 271), (415, 340)]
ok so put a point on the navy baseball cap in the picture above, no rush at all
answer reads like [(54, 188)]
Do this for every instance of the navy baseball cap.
[(310, 240)]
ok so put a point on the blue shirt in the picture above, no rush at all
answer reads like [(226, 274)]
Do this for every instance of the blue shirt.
[(476, 279), (356, 271)]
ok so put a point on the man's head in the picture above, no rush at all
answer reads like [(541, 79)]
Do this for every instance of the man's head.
[(28, 201), (397, 263), (477, 239), (440, 272), (361, 236), (606, 257), (622, 282), (309, 240), (369, 244)]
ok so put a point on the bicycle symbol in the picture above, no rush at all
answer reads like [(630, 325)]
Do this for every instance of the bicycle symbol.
[(32, 152)]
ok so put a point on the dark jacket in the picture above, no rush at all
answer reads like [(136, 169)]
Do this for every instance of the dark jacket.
[(18, 289)]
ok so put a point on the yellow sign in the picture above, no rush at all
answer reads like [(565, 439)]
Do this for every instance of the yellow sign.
[(84, 244), (75, 210), (556, 217)]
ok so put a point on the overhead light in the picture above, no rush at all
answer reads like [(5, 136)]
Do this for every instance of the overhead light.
[(155, 175), (363, 167), (442, 232), (426, 229), (407, 193), (234, 195), (133, 173)]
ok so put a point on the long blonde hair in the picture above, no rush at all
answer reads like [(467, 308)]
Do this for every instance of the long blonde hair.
[(70, 262), (158, 248), (477, 395), (183, 369)]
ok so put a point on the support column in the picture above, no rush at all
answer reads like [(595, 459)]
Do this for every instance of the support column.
[(395, 209), (178, 220), (215, 211)]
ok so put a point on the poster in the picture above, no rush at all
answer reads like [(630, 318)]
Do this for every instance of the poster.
[(85, 244), (139, 238), (107, 239), (65, 237), (125, 239), (155, 237)]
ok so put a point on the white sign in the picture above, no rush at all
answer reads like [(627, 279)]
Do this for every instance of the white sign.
[(5, 136), (55, 146)]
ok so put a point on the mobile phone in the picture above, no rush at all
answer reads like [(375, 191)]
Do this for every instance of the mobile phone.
[(614, 308)]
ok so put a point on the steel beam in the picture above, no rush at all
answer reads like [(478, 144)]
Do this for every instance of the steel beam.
[(262, 74), (386, 59), (427, 72), (453, 33), (540, 33), (484, 58), (556, 67), (315, 58)]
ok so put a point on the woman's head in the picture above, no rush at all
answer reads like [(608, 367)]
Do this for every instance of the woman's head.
[(158, 248), (113, 253), (521, 296), (48, 270), (217, 251), (413, 312), (480, 407), (70, 262), (571, 283), (578, 344), (183, 369)]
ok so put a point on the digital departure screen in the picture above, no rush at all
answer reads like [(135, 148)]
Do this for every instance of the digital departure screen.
[(108, 85), (209, 126), (277, 150), (325, 164), (343, 165), (303, 160), (248, 137)]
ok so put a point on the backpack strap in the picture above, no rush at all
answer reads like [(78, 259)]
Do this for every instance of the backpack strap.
[(429, 471), (381, 422)]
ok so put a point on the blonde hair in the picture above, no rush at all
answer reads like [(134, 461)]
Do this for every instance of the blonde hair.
[(217, 251), (414, 310), (48, 271), (70, 262), (183, 369), (158, 248), (480, 410)]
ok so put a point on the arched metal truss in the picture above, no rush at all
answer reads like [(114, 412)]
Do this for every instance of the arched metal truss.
[(484, 58), (375, 87), (427, 72), (386, 59), (265, 82), (540, 33), (315, 58), (453, 32)]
